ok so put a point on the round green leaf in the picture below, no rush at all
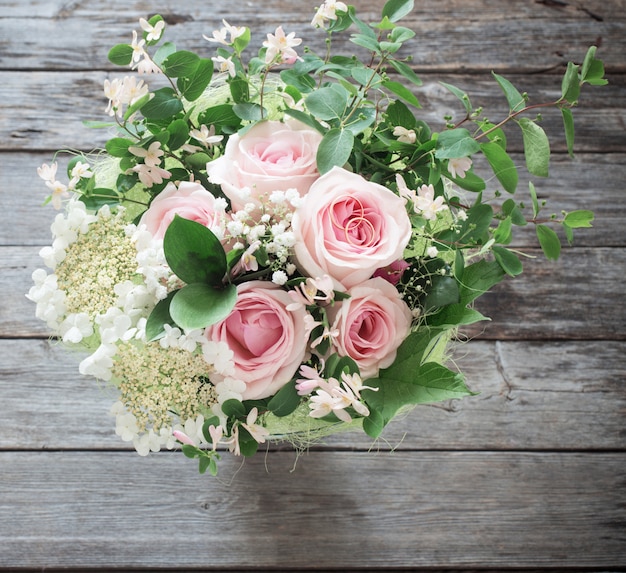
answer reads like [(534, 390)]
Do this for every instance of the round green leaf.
[(200, 305)]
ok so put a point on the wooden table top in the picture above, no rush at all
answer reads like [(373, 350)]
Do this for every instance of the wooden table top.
[(528, 475)]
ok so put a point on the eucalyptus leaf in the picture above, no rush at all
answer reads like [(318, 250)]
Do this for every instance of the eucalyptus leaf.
[(404, 70), (328, 103), (334, 149)]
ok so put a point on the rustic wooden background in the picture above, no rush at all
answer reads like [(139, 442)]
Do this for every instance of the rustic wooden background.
[(528, 475)]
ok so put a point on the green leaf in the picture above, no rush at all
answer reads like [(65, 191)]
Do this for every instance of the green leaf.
[(203, 464), (568, 124), (192, 85), (118, 146), (514, 98), (182, 63), (220, 116), (199, 305), (121, 54), (578, 219), (397, 9), (533, 198), (455, 143), (399, 114), (334, 149), (478, 278), (249, 111), (366, 42), (408, 383), (592, 71), (401, 34), (247, 444), (536, 147), (405, 71), (137, 105), (285, 401), (455, 315), (444, 290), (241, 42), (234, 409), (508, 260), (99, 197), (514, 211), (366, 76), (502, 234), (502, 165), (374, 424), (165, 50), (328, 103), (179, 134), (159, 316), (461, 95), (403, 92), (163, 105), (198, 160), (549, 241), (570, 86), (194, 253)]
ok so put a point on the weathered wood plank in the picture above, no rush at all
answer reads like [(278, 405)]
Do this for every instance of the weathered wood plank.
[(45, 110), (536, 396), (590, 181), (578, 297), (412, 509), (451, 35)]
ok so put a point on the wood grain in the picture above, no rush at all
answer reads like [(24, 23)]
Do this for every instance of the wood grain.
[(528, 475), (407, 510), (538, 35)]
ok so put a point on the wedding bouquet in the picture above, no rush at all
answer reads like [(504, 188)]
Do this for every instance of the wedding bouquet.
[(277, 247)]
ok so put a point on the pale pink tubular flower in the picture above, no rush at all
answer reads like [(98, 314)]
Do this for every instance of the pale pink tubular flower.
[(327, 11), (258, 432), (216, 433), (137, 46), (183, 438), (281, 48)]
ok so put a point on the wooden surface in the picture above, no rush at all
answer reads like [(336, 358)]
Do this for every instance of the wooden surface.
[(528, 475)]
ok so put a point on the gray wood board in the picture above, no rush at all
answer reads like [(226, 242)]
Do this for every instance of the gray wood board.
[(335, 509), (546, 33)]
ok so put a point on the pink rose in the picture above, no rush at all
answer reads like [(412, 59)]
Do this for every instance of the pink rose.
[(268, 341), (372, 323), (271, 156), (348, 227), (190, 201)]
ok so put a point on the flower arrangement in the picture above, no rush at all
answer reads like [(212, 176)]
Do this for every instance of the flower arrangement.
[(280, 248)]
